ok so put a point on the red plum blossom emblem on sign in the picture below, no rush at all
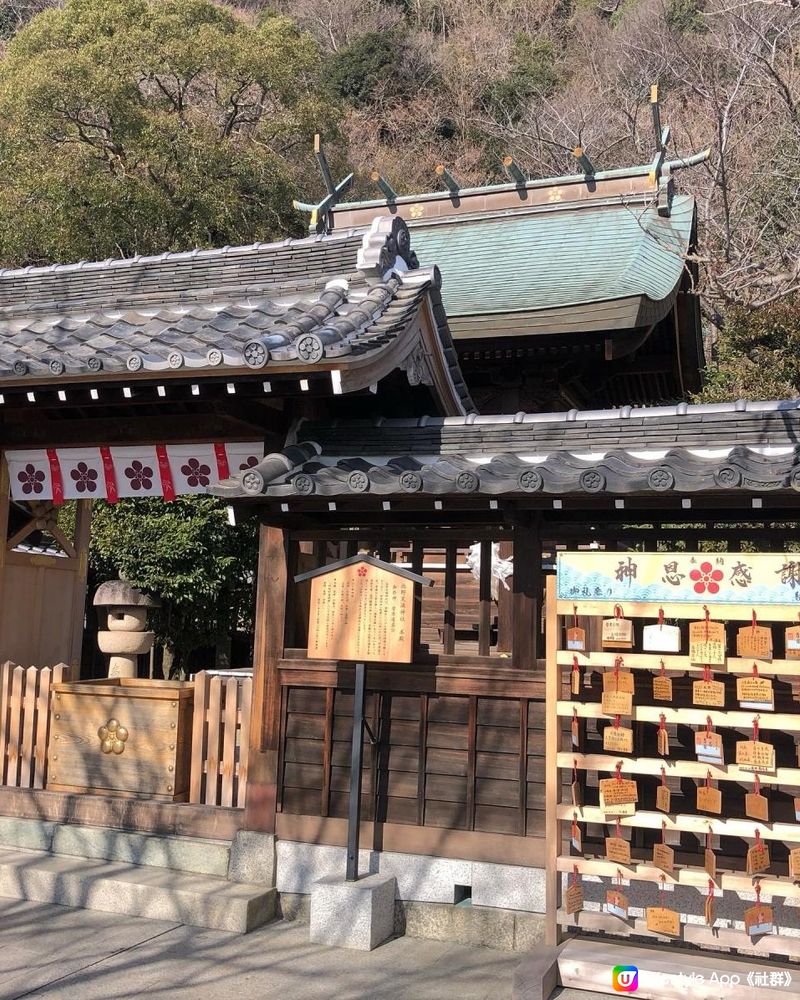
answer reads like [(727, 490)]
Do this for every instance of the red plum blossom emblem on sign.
[(84, 477), (196, 473), (706, 578), (141, 476), (362, 570), (32, 479)]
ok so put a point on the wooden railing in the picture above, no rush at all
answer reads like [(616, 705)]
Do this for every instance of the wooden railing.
[(25, 721), (220, 739)]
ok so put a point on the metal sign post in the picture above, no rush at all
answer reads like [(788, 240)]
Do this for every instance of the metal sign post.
[(354, 811)]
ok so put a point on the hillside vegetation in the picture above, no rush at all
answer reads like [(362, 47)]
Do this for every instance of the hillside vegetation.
[(135, 126)]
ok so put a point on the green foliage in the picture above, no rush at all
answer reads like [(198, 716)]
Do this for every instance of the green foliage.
[(374, 60), (686, 16), (137, 126), (758, 355), (186, 554), (532, 75)]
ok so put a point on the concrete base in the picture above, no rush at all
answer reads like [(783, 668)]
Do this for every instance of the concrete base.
[(481, 926), (357, 915), (536, 977), (252, 858)]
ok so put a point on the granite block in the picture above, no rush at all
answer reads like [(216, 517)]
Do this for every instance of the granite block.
[(252, 858), (357, 915), (511, 887)]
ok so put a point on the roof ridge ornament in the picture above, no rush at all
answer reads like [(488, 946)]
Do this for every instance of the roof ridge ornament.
[(386, 248), (321, 221)]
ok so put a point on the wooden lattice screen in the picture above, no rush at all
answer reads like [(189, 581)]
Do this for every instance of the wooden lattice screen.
[(220, 739)]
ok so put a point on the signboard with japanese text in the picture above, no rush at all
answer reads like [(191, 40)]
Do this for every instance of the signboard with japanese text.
[(739, 581), (361, 612)]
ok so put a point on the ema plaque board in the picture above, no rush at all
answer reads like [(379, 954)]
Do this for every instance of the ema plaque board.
[(361, 612)]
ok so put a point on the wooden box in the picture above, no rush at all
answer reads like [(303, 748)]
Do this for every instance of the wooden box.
[(121, 736)]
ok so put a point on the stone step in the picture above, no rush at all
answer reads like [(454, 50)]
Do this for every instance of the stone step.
[(202, 857), (117, 887), (184, 854)]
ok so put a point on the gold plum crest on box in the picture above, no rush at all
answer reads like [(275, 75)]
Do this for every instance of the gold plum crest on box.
[(113, 737)]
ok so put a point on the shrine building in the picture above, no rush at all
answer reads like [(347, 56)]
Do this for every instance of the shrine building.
[(488, 389)]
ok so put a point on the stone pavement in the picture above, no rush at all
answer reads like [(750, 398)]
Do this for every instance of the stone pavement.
[(56, 953)]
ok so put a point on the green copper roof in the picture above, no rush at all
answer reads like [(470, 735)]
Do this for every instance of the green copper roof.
[(560, 257)]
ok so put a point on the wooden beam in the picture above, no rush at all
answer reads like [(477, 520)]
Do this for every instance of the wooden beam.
[(485, 597), (551, 781), (271, 592), (83, 520), (505, 606)]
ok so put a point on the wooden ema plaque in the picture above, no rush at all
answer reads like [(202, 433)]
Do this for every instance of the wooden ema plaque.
[(707, 643), (573, 898), (758, 919), (617, 903), (618, 739), (576, 640), (755, 692), (754, 641), (664, 858), (618, 850), (709, 799), (361, 612), (618, 796), (756, 806), (618, 680), (710, 694), (660, 920), (794, 863), (797, 810), (793, 642), (617, 633), (708, 747), (617, 703), (752, 755), (663, 796), (758, 858), (662, 688), (710, 864), (661, 639)]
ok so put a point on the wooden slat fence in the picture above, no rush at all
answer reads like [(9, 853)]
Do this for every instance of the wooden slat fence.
[(220, 739), (25, 722)]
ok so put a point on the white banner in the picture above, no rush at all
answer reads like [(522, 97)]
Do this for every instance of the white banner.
[(113, 472)]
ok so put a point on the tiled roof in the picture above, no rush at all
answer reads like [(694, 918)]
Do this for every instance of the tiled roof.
[(388, 314), (558, 257), (171, 278), (713, 447)]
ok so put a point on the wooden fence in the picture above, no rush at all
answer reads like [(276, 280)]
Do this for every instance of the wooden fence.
[(25, 722), (220, 739)]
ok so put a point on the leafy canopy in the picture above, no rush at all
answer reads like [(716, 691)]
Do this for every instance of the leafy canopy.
[(758, 355), (187, 555), (137, 126)]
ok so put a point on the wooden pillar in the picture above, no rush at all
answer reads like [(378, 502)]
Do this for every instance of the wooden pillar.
[(551, 784), (5, 500), (505, 606), (83, 520), (271, 593), (527, 594)]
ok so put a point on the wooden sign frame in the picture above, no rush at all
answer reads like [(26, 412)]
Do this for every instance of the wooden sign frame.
[(644, 815)]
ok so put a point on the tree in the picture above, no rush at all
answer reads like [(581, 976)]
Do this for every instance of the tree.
[(187, 555), (138, 126), (758, 355)]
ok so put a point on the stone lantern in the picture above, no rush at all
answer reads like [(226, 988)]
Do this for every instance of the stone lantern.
[(127, 636)]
